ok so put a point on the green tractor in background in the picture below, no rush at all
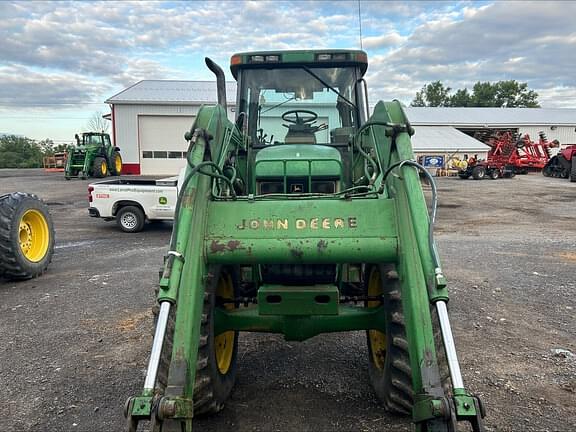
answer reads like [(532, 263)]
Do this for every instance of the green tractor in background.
[(304, 216), (93, 156)]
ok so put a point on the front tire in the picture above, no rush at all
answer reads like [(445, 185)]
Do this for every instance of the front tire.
[(389, 362), (26, 236), (130, 219), (216, 366), (495, 174), (99, 167)]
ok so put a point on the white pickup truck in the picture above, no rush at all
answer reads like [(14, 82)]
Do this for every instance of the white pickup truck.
[(133, 201)]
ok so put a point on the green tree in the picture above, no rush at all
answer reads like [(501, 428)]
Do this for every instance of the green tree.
[(461, 98), (433, 94), (484, 94), (507, 94), (514, 94), (19, 152)]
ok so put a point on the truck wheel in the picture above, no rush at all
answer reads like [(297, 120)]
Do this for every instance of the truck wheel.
[(573, 170), (478, 173), (26, 236), (464, 175), (216, 362), (99, 167), (495, 174), (130, 219), (116, 164), (388, 360)]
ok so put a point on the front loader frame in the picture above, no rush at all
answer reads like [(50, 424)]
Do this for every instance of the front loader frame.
[(387, 224)]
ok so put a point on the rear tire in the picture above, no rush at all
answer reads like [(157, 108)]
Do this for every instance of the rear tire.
[(26, 236), (478, 173), (130, 219), (99, 167), (389, 362)]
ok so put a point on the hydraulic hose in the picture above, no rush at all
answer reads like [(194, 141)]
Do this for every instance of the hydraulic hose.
[(434, 204)]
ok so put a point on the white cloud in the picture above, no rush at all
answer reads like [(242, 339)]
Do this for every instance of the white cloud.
[(409, 43)]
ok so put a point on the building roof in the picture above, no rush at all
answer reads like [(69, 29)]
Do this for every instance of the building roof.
[(489, 117), (444, 139), (163, 92)]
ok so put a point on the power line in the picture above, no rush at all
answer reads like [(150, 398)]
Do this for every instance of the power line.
[(360, 23)]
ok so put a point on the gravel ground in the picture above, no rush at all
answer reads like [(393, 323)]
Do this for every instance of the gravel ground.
[(76, 341)]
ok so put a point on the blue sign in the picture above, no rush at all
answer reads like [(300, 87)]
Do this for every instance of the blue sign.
[(433, 161)]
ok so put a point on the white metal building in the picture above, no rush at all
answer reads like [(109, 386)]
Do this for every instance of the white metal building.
[(150, 118), (557, 124)]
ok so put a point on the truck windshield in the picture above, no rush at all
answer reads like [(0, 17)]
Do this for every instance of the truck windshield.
[(298, 105)]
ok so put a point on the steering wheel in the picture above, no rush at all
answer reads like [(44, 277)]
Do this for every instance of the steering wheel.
[(296, 117)]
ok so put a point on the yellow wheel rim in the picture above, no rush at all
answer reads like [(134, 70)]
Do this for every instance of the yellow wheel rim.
[(118, 163), (34, 235), (376, 339), (224, 343), (103, 167)]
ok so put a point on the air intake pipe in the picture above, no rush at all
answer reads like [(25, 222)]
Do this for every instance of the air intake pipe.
[(220, 81)]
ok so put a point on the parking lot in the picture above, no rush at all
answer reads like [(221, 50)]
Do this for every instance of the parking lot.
[(75, 341)]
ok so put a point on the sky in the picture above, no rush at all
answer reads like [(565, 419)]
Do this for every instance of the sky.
[(59, 61)]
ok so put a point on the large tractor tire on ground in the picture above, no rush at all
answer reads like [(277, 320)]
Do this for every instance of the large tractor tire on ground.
[(116, 164), (216, 362), (478, 173), (26, 236), (99, 167), (388, 359)]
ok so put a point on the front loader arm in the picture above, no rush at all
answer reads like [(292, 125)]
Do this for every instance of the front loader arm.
[(424, 294), (183, 281)]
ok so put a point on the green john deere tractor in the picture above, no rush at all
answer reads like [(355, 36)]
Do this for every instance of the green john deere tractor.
[(288, 218), (93, 156)]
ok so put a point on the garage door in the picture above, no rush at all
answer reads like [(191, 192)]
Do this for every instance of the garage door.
[(162, 144)]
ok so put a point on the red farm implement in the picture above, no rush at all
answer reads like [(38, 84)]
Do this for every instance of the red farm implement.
[(508, 156)]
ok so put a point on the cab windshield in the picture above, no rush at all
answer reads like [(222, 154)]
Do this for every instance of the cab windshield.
[(298, 105)]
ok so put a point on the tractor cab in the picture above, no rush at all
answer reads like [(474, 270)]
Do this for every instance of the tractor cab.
[(93, 140), (299, 111)]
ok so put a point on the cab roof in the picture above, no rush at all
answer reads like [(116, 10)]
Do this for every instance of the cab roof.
[(281, 58)]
